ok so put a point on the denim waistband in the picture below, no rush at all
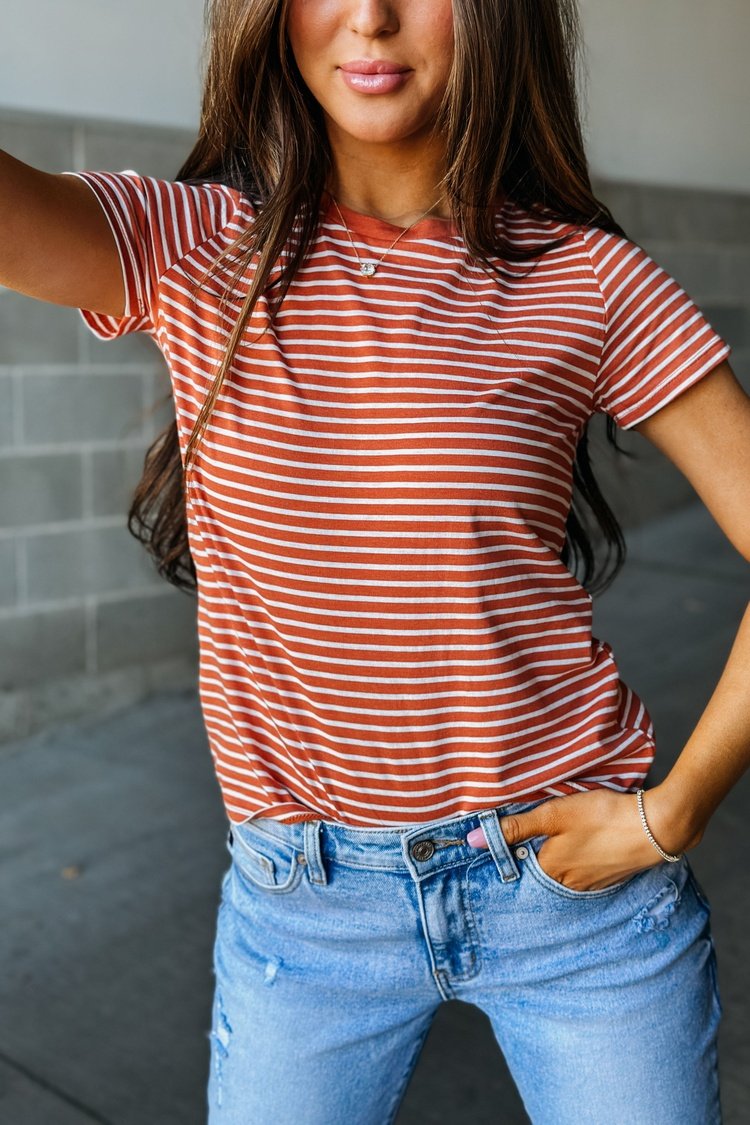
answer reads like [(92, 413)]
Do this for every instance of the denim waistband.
[(443, 841)]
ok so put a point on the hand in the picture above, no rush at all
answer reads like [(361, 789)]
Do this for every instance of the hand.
[(596, 838)]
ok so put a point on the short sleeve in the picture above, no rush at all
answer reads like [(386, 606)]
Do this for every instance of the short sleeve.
[(155, 224), (657, 342)]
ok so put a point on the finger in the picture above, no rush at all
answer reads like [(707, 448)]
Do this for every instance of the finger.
[(522, 826), (517, 827), (477, 838), (513, 828)]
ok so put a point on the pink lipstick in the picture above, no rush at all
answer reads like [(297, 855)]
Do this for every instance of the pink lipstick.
[(374, 76)]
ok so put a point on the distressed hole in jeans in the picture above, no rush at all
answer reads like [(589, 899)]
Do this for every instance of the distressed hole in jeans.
[(656, 914), (272, 968), (221, 1034)]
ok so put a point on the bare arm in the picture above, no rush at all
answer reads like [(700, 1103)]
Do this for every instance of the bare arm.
[(706, 433), (55, 241)]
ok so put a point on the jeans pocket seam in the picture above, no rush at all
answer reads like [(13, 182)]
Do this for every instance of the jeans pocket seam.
[(273, 888), (697, 889), (560, 889), (244, 850)]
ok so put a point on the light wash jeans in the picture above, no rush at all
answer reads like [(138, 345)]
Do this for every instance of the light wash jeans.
[(335, 945)]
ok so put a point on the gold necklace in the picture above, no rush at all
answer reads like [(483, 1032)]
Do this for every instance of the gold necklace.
[(368, 268)]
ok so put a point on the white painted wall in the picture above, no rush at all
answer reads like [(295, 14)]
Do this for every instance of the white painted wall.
[(126, 60), (669, 91), (667, 100)]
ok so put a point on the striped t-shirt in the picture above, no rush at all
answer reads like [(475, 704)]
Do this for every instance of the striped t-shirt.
[(387, 633)]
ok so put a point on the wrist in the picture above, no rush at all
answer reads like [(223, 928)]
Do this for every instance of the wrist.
[(676, 827)]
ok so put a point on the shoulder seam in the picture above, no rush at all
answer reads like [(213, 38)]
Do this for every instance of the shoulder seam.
[(584, 232), (197, 245)]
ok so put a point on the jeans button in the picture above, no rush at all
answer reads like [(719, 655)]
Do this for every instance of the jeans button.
[(423, 849), (522, 852)]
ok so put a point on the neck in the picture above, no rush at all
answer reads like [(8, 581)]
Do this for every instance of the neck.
[(397, 186)]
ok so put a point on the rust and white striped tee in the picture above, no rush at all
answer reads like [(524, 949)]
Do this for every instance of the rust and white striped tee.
[(387, 633)]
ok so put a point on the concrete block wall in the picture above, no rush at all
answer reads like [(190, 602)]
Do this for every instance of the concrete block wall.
[(86, 624)]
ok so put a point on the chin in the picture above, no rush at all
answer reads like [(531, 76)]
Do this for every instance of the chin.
[(374, 130)]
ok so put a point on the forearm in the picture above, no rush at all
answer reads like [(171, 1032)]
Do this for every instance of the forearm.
[(715, 756)]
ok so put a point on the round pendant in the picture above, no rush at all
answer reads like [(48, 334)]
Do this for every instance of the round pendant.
[(367, 269)]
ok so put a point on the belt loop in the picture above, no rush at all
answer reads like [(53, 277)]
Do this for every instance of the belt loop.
[(313, 853), (501, 853)]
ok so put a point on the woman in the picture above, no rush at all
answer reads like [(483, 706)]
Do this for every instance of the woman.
[(390, 303)]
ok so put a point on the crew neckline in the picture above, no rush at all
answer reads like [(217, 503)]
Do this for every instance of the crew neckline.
[(380, 230)]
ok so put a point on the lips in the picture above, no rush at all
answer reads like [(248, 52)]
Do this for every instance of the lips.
[(373, 66), (375, 76)]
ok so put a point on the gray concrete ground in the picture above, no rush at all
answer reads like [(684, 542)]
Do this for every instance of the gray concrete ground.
[(112, 850)]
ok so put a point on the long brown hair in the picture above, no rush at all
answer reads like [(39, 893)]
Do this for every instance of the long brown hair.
[(510, 123)]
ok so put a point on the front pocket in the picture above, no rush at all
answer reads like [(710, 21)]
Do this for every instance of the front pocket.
[(532, 847), (264, 860)]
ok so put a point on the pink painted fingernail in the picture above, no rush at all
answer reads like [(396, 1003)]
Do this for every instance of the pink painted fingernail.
[(477, 838)]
